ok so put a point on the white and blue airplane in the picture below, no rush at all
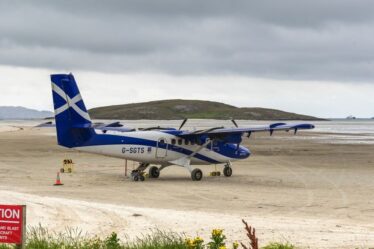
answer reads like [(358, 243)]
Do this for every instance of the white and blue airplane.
[(151, 146)]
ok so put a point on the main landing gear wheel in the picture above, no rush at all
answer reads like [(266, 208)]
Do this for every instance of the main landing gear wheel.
[(227, 171), (154, 172), (196, 175)]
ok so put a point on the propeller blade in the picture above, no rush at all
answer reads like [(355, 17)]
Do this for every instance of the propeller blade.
[(234, 122), (183, 123)]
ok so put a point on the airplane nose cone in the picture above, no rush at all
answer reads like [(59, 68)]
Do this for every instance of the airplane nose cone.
[(244, 153)]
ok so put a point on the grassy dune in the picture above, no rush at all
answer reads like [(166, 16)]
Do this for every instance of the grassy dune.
[(180, 109)]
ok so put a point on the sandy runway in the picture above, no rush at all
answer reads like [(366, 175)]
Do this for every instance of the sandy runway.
[(315, 195)]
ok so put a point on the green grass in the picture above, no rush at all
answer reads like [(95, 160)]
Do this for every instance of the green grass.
[(279, 246), (41, 238), (158, 239)]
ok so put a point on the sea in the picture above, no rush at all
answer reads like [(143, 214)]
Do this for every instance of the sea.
[(339, 131)]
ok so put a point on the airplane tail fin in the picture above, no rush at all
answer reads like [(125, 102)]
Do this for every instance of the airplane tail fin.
[(73, 123)]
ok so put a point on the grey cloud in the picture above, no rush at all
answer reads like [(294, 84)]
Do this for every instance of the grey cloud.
[(302, 40)]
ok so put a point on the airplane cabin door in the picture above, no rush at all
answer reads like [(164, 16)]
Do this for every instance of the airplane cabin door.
[(162, 148)]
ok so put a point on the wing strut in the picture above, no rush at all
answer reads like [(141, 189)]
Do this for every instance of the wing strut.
[(186, 160)]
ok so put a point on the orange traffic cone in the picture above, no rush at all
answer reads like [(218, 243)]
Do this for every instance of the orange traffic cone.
[(58, 180)]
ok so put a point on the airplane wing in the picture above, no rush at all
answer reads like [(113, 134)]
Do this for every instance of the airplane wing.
[(108, 128), (103, 125), (115, 126), (223, 133)]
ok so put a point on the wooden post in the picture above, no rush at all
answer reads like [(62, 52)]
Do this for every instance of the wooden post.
[(126, 167), (23, 245)]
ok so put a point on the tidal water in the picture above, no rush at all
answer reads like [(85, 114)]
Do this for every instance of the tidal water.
[(360, 131)]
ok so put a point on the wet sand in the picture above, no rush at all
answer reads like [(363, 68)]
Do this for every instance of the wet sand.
[(313, 194)]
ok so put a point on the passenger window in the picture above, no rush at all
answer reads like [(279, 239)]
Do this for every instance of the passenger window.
[(173, 141), (162, 141), (180, 142), (186, 142)]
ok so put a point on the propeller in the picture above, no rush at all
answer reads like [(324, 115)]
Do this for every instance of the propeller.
[(183, 123), (237, 126), (234, 122)]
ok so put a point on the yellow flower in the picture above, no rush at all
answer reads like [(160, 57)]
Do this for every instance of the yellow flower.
[(235, 245), (198, 240), (189, 242), (217, 232), (222, 247)]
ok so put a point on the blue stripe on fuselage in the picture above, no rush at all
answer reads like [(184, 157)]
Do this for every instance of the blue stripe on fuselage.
[(107, 139)]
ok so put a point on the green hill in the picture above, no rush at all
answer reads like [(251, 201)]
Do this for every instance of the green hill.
[(179, 109)]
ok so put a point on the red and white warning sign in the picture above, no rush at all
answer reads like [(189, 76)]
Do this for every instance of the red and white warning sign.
[(12, 221)]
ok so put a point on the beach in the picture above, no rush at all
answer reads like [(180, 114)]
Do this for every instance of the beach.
[(314, 189)]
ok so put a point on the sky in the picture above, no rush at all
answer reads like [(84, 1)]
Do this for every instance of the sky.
[(310, 57)]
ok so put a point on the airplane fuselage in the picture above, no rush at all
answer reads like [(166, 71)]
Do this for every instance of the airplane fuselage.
[(162, 148), (152, 145)]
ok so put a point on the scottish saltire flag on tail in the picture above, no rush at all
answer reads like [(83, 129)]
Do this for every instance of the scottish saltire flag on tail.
[(73, 122)]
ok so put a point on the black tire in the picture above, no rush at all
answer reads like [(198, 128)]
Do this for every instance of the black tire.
[(136, 178), (141, 178), (196, 175), (154, 172), (227, 171)]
